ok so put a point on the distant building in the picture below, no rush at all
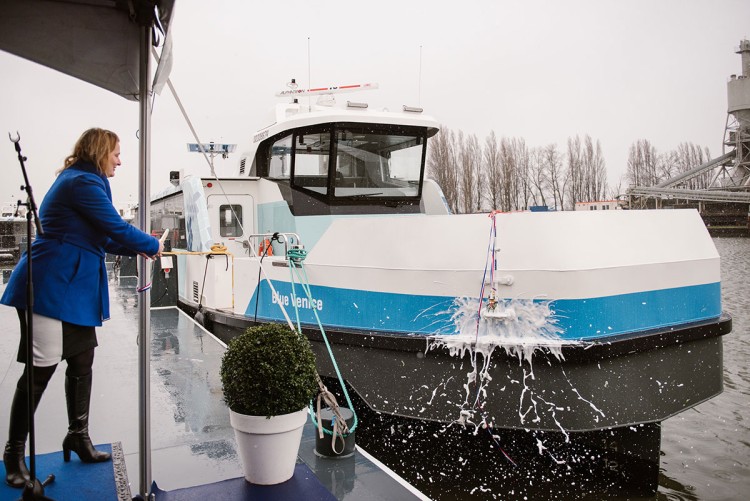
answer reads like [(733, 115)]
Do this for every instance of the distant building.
[(599, 205), (127, 211), (12, 210), (539, 208)]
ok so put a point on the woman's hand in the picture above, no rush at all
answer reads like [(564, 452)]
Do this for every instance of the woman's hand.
[(158, 253)]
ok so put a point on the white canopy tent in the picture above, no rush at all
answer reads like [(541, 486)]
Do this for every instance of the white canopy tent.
[(106, 43)]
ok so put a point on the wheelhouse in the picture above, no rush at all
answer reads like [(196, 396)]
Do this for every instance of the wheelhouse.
[(325, 168)]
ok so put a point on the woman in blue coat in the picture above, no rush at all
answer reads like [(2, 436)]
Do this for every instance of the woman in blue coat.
[(71, 296)]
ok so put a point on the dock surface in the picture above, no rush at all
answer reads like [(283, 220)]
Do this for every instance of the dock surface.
[(192, 441)]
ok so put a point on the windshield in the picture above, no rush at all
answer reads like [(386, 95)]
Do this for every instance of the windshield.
[(372, 164), (311, 161), (348, 161)]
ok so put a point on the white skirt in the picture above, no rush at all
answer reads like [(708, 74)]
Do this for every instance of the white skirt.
[(54, 340), (48, 341)]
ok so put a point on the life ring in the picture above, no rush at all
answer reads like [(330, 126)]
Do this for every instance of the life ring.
[(265, 247)]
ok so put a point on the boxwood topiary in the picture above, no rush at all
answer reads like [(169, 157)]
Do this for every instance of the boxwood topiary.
[(268, 370)]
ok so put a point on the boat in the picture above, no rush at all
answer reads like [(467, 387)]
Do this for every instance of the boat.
[(567, 322), (12, 234)]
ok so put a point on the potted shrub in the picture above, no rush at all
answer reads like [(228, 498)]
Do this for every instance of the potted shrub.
[(268, 375)]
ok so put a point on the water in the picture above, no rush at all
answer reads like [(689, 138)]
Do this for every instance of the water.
[(706, 450)]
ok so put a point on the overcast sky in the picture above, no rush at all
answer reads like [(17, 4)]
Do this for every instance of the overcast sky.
[(541, 70)]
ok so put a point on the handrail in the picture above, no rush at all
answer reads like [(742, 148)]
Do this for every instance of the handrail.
[(699, 195), (696, 171), (206, 253), (288, 238)]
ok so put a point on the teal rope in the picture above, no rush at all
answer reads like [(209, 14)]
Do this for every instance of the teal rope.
[(295, 257), (298, 255), (296, 266)]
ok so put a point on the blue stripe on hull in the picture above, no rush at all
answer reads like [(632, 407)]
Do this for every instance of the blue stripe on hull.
[(594, 318), (579, 319)]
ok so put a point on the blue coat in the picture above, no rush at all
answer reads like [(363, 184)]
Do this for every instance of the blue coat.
[(80, 225)]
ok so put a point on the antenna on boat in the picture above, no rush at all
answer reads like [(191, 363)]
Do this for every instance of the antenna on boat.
[(212, 150), (335, 89), (309, 80), (419, 79)]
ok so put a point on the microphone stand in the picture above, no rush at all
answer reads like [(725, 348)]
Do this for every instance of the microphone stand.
[(34, 489)]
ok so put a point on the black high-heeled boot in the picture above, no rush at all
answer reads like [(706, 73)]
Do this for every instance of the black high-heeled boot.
[(78, 397), (14, 456), (14, 459)]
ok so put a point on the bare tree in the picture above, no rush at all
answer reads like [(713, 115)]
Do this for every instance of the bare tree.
[(616, 191), (480, 173), (586, 171), (442, 166), (643, 167), (505, 174), (576, 171), (558, 176), (468, 178), (523, 186), (595, 169), (665, 166), (686, 157), (538, 177), (492, 170), (508, 174)]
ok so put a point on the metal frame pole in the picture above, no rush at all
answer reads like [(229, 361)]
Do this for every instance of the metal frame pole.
[(144, 301)]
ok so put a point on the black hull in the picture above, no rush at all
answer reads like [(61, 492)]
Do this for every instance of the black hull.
[(624, 382), (455, 463)]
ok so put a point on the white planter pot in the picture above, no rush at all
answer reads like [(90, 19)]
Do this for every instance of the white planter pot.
[(268, 447)]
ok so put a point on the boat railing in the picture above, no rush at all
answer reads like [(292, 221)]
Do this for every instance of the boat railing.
[(289, 240)]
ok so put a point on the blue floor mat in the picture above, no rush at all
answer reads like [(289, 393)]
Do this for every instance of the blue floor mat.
[(75, 480)]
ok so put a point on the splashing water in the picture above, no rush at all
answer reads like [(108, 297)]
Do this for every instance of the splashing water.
[(520, 328), (529, 326)]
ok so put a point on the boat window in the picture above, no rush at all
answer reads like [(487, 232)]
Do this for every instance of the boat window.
[(169, 214), (280, 161), (311, 155), (231, 220), (372, 164)]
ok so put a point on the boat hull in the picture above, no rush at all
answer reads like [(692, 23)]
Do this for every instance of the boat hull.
[(622, 382)]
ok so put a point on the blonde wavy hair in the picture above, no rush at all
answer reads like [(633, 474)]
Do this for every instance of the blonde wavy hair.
[(94, 146)]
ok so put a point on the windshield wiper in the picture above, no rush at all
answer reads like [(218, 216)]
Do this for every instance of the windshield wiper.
[(362, 195)]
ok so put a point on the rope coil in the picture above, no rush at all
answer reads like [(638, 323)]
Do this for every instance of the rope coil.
[(219, 248), (340, 429)]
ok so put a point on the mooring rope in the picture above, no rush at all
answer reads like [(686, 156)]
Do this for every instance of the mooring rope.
[(296, 257), (339, 424), (340, 429)]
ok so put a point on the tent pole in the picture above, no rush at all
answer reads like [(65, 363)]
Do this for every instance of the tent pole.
[(144, 301)]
